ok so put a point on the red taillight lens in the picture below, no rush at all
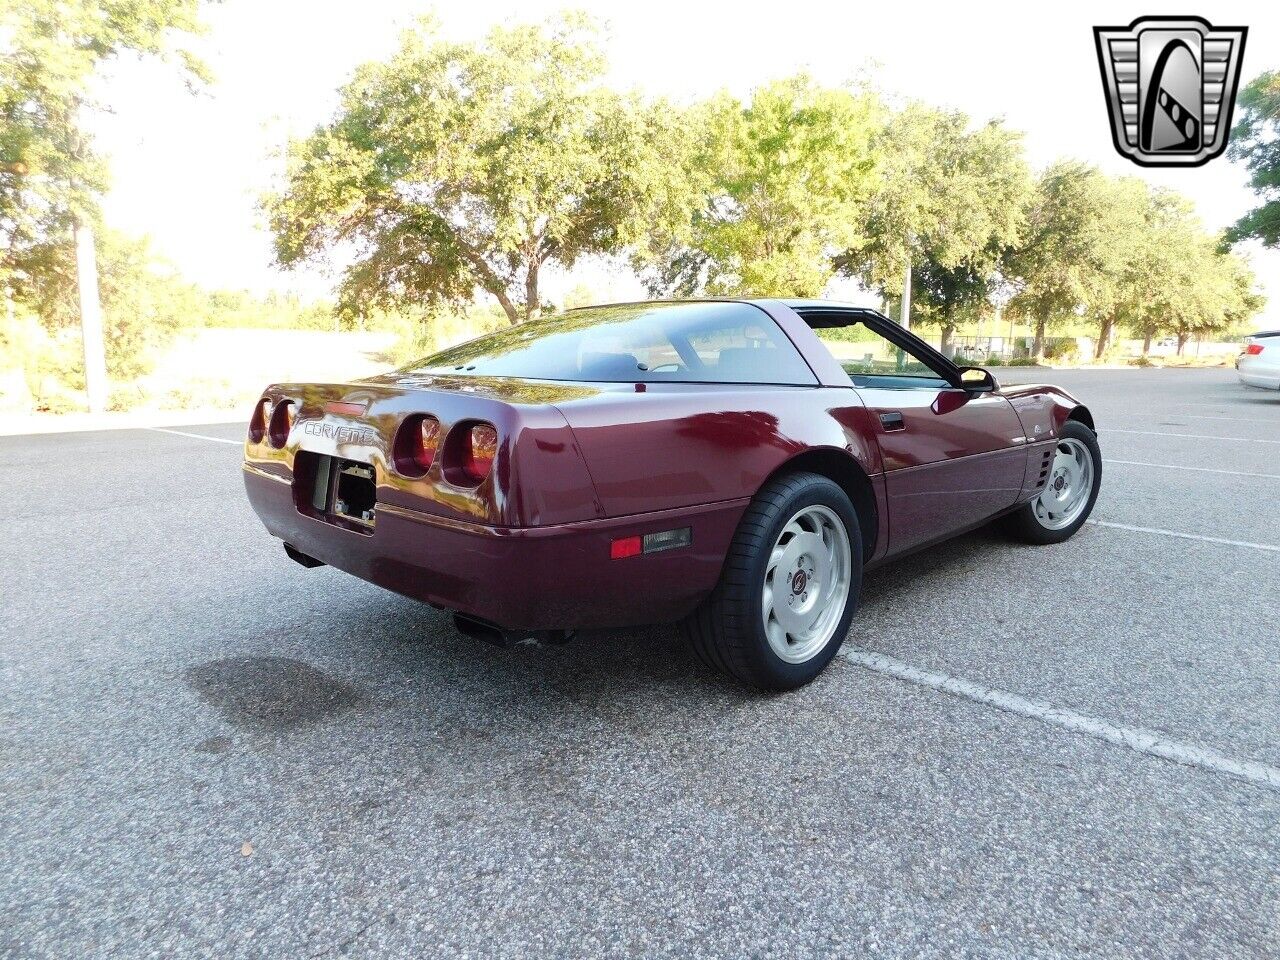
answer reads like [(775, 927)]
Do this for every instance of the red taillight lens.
[(482, 447), (626, 547), (1253, 349), (281, 423), (428, 441), (416, 445), (259, 421), (656, 542)]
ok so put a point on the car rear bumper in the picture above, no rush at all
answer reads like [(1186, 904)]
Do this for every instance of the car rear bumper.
[(1260, 370), (536, 578), (1268, 379)]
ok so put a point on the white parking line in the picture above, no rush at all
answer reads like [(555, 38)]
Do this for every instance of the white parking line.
[(1135, 738), (1202, 416), (1188, 436), (1186, 536), (1184, 416), (193, 436), (1177, 466)]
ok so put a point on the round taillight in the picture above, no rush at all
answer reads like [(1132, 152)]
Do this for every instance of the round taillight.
[(281, 423), (416, 445), (482, 447), (258, 422)]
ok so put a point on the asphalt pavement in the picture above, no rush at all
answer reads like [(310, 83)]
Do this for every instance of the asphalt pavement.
[(207, 750)]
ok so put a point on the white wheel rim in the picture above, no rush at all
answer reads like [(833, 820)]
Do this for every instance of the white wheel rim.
[(1066, 492), (806, 584)]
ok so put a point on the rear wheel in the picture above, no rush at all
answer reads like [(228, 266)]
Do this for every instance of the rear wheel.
[(1075, 476), (788, 589)]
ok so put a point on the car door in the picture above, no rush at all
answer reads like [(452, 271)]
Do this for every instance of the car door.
[(953, 457)]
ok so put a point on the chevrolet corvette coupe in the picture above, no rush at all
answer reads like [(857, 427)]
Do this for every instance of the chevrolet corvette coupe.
[(707, 462)]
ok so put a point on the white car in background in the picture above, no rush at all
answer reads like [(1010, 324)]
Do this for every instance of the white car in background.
[(1259, 361)]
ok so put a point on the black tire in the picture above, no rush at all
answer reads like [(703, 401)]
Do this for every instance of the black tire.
[(1025, 525), (727, 631)]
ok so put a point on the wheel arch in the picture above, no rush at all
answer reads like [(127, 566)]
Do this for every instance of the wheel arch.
[(1081, 414), (843, 470)]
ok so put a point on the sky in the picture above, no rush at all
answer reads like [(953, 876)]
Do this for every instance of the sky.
[(187, 170)]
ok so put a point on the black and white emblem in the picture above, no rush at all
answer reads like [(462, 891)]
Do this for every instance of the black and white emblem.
[(1171, 85)]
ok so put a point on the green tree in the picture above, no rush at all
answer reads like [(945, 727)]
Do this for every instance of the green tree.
[(780, 186), (1081, 231), (458, 166), (144, 300), (1255, 142), (951, 204), (1179, 281), (50, 176)]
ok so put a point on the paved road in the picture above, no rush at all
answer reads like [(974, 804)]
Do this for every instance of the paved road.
[(208, 750)]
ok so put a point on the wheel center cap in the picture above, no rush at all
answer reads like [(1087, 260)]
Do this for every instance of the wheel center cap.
[(1059, 483), (799, 580)]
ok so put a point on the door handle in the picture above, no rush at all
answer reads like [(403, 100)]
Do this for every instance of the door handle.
[(892, 421)]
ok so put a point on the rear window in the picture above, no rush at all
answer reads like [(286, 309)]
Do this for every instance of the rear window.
[(646, 343)]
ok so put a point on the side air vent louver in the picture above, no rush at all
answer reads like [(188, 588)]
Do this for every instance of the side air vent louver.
[(1046, 461)]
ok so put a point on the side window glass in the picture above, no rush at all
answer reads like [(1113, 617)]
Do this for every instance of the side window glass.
[(742, 353), (871, 360), (629, 350)]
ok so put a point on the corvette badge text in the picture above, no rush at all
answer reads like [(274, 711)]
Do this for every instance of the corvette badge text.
[(1170, 84), (339, 434)]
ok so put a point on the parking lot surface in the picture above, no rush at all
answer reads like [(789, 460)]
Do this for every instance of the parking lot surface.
[(207, 750)]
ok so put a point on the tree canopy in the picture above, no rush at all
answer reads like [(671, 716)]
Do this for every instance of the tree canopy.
[(1255, 142), (778, 186), (950, 204), (1082, 229), (50, 175), (1178, 281), (460, 166)]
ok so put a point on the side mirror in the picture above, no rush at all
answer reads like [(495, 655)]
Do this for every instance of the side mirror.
[(977, 380)]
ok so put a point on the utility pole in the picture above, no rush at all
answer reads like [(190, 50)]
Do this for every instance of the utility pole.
[(95, 361), (906, 299)]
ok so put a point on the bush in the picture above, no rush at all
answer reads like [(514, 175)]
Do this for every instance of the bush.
[(1023, 362), (1064, 351), (855, 333), (125, 396), (421, 336), (50, 365), (1141, 362)]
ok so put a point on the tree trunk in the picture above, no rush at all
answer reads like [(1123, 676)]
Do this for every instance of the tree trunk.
[(490, 282), (1182, 342), (948, 333), (1104, 338), (509, 308), (532, 307), (1037, 348), (1146, 344)]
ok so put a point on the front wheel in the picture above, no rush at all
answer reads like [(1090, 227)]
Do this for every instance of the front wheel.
[(1063, 506), (788, 589)]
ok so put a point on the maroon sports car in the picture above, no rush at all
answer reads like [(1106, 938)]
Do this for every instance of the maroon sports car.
[(708, 462)]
